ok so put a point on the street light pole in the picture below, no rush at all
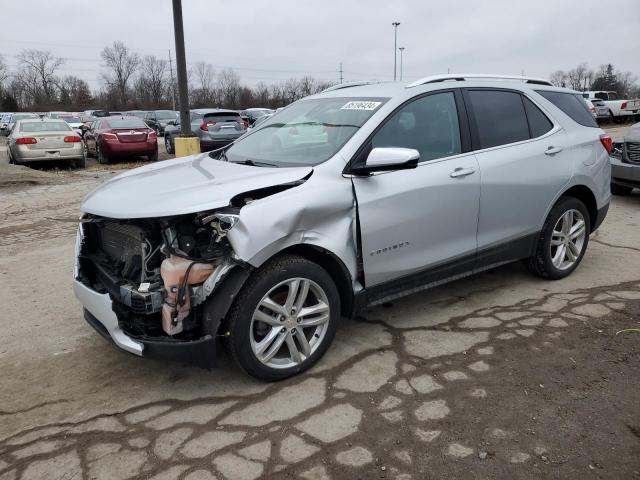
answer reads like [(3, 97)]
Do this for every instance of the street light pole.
[(401, 55), (395, 47), (181, 67)]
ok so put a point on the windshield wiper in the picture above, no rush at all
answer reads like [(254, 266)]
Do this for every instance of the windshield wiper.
[(255, 163)]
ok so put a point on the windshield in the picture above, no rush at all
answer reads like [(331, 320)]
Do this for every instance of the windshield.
[(126, 123), (307, 132), (166, 115), (30, 127)]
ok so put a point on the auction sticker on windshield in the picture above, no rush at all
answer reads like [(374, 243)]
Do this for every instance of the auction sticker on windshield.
[(361, 106)]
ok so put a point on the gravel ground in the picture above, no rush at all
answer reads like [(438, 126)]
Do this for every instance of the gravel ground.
[(501, 375)]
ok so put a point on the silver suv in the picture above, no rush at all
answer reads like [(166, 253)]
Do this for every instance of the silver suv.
[(352, 197)]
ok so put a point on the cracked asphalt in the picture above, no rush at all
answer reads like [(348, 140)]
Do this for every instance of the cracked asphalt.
[(501, 375)]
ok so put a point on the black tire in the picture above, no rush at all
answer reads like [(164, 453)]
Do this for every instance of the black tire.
[(541, 263), (612, 118), (620, 189), (153, 157), (168, 145), (102, 158), (81, 162), (11, 159), (259, 284)]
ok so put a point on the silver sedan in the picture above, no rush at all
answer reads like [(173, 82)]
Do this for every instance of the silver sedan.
[(35, 140)]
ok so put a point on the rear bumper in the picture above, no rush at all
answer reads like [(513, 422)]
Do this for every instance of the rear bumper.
[(99, 314), (24, 154), (118, 149)]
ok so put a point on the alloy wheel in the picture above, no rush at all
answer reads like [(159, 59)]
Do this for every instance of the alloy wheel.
[(289, 323), (567, 239)]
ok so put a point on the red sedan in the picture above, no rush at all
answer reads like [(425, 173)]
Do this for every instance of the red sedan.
[(119, 137)]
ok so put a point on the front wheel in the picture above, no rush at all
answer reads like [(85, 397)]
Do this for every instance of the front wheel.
[(167, 144), (562, 241), (284, 319)]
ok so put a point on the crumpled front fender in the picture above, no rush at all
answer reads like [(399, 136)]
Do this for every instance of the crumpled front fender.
[(321, 212)]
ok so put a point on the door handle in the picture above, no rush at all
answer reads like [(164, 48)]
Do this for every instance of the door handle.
[(462, 172), (552, 150)]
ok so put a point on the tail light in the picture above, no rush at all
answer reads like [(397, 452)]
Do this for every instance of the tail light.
[(593, 109), (205, 126), (152, 135), (26, 141), (109, 136), (71, 139), (607, 142), (623, 106), (245, 123)]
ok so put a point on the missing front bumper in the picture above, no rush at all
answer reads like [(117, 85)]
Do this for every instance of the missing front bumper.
[(200, 352)]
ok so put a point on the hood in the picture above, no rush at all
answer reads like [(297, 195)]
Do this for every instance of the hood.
[(186, 185), (633, 134)]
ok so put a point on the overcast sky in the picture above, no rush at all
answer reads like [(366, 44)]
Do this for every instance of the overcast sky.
[(273, 40)]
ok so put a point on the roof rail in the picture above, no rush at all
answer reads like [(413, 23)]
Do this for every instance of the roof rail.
[(461, 77), (340, 86)]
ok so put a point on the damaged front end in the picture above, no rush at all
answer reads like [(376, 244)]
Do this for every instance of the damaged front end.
[(163, 277)]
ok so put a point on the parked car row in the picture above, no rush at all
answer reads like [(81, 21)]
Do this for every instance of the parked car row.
[(611, 107)]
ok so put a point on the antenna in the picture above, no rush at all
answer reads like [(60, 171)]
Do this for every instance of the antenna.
[(341, 72)]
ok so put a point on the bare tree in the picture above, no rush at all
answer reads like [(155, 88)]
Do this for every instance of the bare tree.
[(229, 88), (580, 78), (37, 71), (4, 72), (203, 93), (152, 84), (121, 64), (74, 93)]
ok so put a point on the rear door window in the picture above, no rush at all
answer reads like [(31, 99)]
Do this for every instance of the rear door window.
[(539, 124), (499, 117), (573, 105)]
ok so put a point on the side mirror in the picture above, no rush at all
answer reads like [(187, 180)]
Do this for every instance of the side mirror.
[(172, 122), (84, 128), (386, 159)]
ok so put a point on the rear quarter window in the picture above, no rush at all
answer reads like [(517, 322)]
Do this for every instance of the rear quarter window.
[(573, 105), (539, 124)]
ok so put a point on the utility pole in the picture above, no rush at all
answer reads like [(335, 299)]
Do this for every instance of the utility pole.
[(401, 55), (395, 47), (186, 143), (181, 67), (341, 79), (173, 84)]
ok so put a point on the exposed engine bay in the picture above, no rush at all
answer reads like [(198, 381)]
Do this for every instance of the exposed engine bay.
[(158, 272)]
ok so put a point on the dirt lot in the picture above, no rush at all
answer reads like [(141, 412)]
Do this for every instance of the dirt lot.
[(499, 376)]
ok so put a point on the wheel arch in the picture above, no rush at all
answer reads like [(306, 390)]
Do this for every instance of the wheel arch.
[(334, 267), (586, 196)]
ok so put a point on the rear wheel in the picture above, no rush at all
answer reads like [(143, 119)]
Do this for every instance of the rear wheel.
[(81, 162), (284, 319), (167, 144), (562, 241), (102, 158), (620, 189)]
